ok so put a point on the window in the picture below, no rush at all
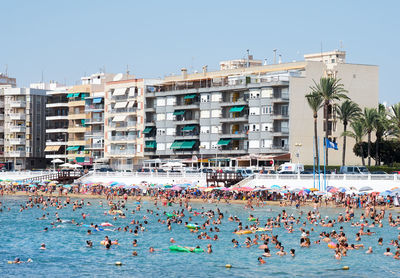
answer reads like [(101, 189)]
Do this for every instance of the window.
[(266, 143), (285, 126), (216, 113), (216, 97), (161, 131), (171, 131), (254, 110), (160, 147), (161, 117), (267, 93), (214, 129), (205, 114), (267, 110), (205, 98), (255, 94), (285, 92), (161, 101), (266, 127), (206, 145), (171, 100), (254, 127), (205, 129), (254, 144), (285, 110), (170, 116), (214, 145)]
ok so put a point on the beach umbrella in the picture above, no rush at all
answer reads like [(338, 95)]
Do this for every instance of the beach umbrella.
[(307, 190), (313, 189), (342, 189), (332, 189), (245, 189), (68, 165), (385, 193), (57, 160), (32, 185), (275, 186), (365, 188), (176, 188), (76, 166)]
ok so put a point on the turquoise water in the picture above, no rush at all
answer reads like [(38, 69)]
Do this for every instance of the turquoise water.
[(67, 255)]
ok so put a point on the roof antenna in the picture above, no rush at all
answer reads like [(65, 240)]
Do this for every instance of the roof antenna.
[(275, 55), (42, 77), (248, 57), (127, 71)]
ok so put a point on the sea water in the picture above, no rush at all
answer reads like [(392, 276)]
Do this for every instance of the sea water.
[(21, 235)]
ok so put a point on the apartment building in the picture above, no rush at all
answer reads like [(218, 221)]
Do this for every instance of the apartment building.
[(258, 109), (57, 124), (24, 127), (124, 121), (77, 128)]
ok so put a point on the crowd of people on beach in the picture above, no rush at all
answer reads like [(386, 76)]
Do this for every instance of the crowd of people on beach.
[(206, 224)]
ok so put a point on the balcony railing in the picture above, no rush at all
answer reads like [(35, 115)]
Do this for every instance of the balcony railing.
[(17, 141), (17, 116), (123, 152), (123, 110), (17, 129), (17, 104), (16, 154), (123, 124), (123, 138)]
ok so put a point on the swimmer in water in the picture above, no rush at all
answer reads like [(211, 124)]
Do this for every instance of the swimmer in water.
[(261, 260), (369, 251), (43, 246)]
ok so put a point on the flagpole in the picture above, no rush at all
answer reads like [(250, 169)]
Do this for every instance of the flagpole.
[(319, 170), (325, 164)]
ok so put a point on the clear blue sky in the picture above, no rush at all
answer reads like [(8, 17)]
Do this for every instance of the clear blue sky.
[(67, 39)]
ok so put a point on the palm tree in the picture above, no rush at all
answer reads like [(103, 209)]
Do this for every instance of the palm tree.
[(395, 118), (358, 132), (347, 112), (331, 91), (369, 116), (381, 126), (315, 102)]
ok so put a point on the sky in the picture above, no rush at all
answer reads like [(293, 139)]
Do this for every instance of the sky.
[(65, 40)]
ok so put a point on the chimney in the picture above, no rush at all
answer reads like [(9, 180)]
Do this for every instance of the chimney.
[(184, 73), (280, 59), (205, 69)]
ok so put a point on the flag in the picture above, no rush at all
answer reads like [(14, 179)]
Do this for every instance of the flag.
[(330, 144)]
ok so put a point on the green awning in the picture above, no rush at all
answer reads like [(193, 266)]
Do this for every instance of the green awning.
[(77, 94), (147, 130), (188, 128), (176, 145), (73, 148), (224, 142), (70, 95), (179, 112), (188, 144), (189, 96), (236, 109), (150, 144), (80, 159)]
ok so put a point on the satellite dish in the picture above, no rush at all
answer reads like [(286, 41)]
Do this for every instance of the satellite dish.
[(118, 77)]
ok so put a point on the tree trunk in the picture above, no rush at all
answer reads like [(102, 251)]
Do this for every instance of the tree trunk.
[(369, 148), (316, 143), (326, 131), (377, 156), (362, 154), (344, 145)]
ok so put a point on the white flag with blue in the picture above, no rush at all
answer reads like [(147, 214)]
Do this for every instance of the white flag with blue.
[(330, 144)]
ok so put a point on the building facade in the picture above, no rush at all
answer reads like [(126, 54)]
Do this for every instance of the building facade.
[(24, 127), (217, 117)]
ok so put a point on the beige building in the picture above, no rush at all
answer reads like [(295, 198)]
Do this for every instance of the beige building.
[(123, 120), (362, 84)]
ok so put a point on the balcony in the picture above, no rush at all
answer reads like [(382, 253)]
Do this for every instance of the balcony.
[(94, 147), (279, 132), (122, 152), (75, 103), (241, 118), (150, 109), (94, 108), (280, 100), (17, 104), (95, 133), (123, 110), (58, 104), (15, 154), (16, 129), (123, 138), (92, 121), (77, 129), (236, 134), (78, 116), (194, 105), (54, 118), (1, 104), (277, 116), (1, 141), (76, 142), (17, 116), (17, 141), (1, 117), (123, 125)]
